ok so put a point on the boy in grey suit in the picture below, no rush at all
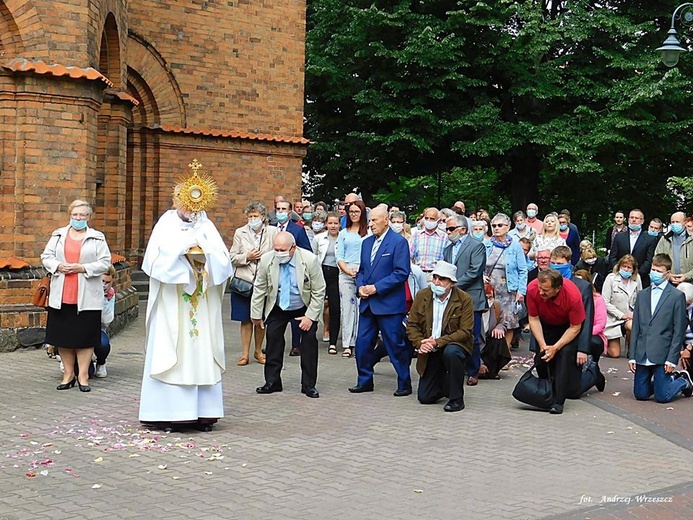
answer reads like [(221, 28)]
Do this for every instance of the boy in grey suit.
[(659, 329)]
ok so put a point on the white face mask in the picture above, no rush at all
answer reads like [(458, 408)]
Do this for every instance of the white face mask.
[(317, 226), (397, 227), (591, 261), (282, 256), (255, 223), (430, 224)]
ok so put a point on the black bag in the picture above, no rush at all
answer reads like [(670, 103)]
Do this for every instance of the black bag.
[(495, 356), (241, 287), (533, 390)]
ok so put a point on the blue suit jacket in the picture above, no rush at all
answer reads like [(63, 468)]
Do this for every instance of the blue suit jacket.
[(390, 269), (300, 235)]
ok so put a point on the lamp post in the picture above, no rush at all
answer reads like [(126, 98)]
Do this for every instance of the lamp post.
[(671, 49)]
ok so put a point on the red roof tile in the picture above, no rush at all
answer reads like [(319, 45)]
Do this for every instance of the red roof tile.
[(40, 67), (13, 263), (232, 134), (123, 96), (115, 258)]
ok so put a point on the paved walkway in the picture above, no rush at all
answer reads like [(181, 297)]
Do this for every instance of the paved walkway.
[(68, 454)]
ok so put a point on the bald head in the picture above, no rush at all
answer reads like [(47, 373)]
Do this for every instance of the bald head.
[(679, 217), (378, 220), (351, 197), (284, 241)]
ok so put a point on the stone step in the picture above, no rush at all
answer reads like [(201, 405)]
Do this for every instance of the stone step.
[(140, 281)]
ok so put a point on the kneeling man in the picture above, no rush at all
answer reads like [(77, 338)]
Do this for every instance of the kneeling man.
[(440, 326)]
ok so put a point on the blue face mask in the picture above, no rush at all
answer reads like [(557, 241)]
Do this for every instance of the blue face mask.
[(282, 217), (625, 274), (565, 270), (635, 227), (676, 228), (478, 236), (563, 227), (78, 224), (437, 290), (656, 277), (652, 233), (531, 213), (307, 216)]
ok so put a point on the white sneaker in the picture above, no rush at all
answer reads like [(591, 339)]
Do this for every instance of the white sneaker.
[(100, 371), (62, 367)]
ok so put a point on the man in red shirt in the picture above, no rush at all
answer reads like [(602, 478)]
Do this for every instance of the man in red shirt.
[(556, 313)]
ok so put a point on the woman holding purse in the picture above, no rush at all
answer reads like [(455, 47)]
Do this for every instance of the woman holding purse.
[(250, 242)]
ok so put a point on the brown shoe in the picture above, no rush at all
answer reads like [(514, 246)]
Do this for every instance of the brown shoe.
[(472, 381), (242, 362), (295, 352), (260, 358)]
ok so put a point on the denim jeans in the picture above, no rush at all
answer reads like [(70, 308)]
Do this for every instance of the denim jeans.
[(664, 387)]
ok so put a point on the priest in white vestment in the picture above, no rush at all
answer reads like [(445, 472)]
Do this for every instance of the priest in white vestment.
[(188, 265)]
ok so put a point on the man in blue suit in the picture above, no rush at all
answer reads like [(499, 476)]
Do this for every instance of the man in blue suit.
[(380, 283), (284, 209), (659, 332)]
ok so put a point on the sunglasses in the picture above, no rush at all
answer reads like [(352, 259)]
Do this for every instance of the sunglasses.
[(451, 229), (498, 225)]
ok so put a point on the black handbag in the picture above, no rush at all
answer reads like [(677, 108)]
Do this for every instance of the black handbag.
[(241, 287), (533, 390)]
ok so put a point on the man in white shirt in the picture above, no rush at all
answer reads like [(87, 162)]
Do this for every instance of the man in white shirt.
[(440, 327)]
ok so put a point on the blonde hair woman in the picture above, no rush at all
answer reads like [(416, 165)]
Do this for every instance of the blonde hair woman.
[(620, 291), (549, 238), (76, 256)]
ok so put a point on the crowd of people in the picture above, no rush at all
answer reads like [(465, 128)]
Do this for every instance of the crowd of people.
[(454, 289)]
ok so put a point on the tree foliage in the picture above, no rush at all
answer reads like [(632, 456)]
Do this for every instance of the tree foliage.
[(496, 103)]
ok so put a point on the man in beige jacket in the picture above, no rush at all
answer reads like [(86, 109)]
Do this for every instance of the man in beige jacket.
[(289, 286)]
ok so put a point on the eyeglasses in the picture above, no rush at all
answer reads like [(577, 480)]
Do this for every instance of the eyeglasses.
[(451, 229), (357, 212), (498, 225)]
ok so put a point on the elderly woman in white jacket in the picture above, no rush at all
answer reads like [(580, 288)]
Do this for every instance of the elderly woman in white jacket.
[(76, 256), (620, 290)]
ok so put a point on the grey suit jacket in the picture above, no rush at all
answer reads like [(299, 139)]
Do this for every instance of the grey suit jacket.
[(311, 285), (470, 262), (659, 336)]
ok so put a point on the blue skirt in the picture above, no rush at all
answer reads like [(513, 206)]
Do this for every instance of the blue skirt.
[(240, 308)]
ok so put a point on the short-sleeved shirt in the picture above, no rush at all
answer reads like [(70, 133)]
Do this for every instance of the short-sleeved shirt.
[(565, 309)]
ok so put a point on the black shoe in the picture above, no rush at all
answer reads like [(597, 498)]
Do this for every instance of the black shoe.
[(454, 405), (84, 388), (203, 427), (688, 390), (403, 393), (310, 392), (556, 409), (269, 388), (295, 351), (601, 381), (66, 386), (359, 389)]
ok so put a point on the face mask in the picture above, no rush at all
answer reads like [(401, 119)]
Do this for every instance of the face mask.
[(635, 227), (397, 227), (676, 228), (656, 277), (317, 226), (255, 223), (565, 270), (521, 226), (437, 290), (454, 237), (78, 224), (307, 216), (106, 287), (430, 225), (441, 227), (282, 217), (531, 213), (282, 256), (653, 233), (478, 236), (591, 261), (625, 274), (563, 227)]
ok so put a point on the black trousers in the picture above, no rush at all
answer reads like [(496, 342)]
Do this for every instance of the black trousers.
[(275, 327), (444, 375), (565, 371), (331, 275)]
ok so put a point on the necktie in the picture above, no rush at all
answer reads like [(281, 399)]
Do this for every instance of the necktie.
[(284, 287), (376, 245)]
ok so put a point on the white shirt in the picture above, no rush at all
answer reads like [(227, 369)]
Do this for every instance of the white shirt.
[(438, 312), (633, 239)]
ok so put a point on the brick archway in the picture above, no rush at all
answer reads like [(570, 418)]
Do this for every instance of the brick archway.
[(11, 44), (21, 30)]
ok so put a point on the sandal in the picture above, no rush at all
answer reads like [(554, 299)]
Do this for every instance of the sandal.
[(346, 353), (332, 350), (242, 362), (260, 358)]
